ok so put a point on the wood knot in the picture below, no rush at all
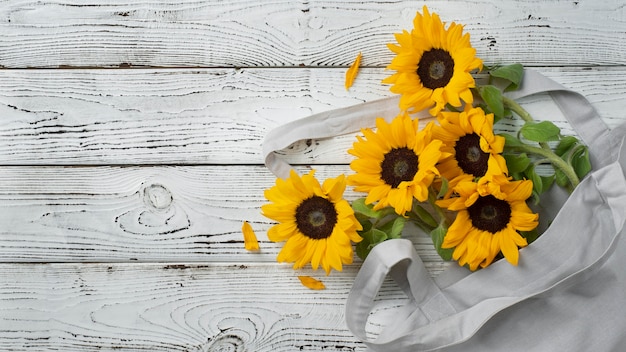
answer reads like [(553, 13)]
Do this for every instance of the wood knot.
[(227, 343), (157, 214), (158, 197)]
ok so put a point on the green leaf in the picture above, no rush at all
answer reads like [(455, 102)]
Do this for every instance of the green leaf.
[(511, 141), (493, 98), (437, 236), (363, 249), (364, 220), (424, 215), (359, 206), (547, 182), (530, 236), (565, 145), (370, 239), (444, 187), (537, 182), (543, 131), (377, 236), (516, 163), (560, 178), (393, 229), (580, 162), (512, 73)]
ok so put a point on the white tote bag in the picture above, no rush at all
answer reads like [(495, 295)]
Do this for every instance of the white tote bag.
[(568, 292)]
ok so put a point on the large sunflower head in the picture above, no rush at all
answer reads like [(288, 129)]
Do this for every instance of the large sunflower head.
[(315, 220), (474, 151), (395, 164), (490, 214), (432, 65)]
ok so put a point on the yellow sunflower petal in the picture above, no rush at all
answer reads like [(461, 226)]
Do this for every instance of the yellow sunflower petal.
[(457, 231), (353, 71), (509, 248), (318, 255), (333, 258), (311, 283), (334, 187), (282, 231), (307, 254), (249, 237)]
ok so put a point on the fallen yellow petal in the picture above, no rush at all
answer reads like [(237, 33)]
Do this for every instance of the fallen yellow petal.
[(352, 71), (249, 237), (311, 283)]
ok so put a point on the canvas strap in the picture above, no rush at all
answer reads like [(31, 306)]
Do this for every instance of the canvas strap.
[(581, 115)]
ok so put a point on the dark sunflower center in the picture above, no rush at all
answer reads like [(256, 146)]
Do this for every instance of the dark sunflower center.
[(489, 213), (471, 159), (399, 165), (435, 68), (316, 217)]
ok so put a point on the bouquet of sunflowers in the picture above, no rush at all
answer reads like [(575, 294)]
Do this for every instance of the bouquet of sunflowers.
[(470, 188)]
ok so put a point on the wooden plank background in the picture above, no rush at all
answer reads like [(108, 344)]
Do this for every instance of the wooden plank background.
[(130, 154)]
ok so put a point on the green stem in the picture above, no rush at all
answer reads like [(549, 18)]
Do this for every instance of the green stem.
[(554, 159), (545, 149), (432, 198), (523, 114), (518, 109)]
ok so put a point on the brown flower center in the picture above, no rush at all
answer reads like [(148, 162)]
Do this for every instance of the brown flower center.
[(316, 217), (471, 159), (489, 213), (400, 164), (435, 68)]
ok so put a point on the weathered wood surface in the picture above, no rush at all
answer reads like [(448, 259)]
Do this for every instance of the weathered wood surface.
[(123, 190), (209, 116), (216, 33), (155, 214), (174, 307)]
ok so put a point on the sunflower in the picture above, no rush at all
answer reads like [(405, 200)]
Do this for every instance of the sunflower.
[(473, 148), (432, 65), (396, 163), (490, 214), (315, 220)]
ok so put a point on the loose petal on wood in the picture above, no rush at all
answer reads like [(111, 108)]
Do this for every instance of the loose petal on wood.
[(353, 71), (312, 283), (249, 237)]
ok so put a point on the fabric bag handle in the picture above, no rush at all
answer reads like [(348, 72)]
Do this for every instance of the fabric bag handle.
[(324, 125), (581, 115), (425, 297)]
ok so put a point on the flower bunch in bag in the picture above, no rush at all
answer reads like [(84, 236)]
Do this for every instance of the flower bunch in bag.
[(451, 175)]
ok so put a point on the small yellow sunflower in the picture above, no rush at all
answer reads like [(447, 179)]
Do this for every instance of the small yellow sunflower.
[(395, 164), (473, 148), (432, 65), (490, 214), (315, 220)]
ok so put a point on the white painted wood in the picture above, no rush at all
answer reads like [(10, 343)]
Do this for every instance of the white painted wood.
[(207, 116), (189, 33), (100, 168), (176, 307), (155, 214)]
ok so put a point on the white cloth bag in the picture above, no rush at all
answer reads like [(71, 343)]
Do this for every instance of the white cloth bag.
[(568, 292)]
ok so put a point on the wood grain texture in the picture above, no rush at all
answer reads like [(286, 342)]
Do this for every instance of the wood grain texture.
[(129, 162), (177, 307), (189, 33), (148, 214), (210, 116)]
